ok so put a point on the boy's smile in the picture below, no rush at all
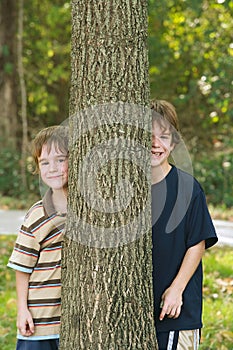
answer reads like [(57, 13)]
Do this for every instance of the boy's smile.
[(157, 154)]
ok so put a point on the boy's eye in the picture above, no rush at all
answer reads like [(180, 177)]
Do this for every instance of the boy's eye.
[(44, 163), (61, 160)]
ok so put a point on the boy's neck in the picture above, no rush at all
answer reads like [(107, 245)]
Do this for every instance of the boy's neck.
[(59, 198), (159, 173)]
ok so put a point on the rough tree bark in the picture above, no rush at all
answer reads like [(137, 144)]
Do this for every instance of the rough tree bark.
[(106, 264), (8, 72)]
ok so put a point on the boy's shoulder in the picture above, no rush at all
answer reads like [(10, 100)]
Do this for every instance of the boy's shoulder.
[(36, 211), (187, 186), (188, 180)]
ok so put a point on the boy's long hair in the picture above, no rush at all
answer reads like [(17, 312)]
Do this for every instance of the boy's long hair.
[(57, 135), (164, 113)]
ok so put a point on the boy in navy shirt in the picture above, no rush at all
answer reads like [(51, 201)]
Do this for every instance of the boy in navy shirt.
[(181, 231)]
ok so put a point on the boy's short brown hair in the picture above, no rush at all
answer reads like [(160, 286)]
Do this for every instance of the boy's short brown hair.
[(57, 135), (165, 114)]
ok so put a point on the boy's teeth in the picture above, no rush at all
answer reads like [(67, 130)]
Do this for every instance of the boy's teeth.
[(156, 153)]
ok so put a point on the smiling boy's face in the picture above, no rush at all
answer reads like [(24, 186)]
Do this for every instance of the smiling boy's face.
[(53, 166), (161, 145)]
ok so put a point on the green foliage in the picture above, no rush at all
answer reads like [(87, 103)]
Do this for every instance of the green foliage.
[(217, 316), (47, 60), (215, 174), (190, 52), (10, 176), (5, 50), (191, 56), (7, 66)]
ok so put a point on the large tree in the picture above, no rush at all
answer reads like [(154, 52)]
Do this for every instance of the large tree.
[(107, 264)]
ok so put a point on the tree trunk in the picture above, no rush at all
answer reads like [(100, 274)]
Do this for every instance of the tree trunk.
[(107, 299), (8, 73), (23, 94)]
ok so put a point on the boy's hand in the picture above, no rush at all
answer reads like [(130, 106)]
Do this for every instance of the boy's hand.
[(172, 297), (25, 323), (171, 303)]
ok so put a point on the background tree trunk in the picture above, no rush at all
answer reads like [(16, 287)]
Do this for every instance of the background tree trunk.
[(107, 263), (8, 72), (23, 95)]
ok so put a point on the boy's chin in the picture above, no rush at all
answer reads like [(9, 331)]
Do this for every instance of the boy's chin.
[(155, 164), (59, 188)]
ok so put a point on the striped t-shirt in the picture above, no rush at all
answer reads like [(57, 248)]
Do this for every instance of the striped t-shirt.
[(37, 251)]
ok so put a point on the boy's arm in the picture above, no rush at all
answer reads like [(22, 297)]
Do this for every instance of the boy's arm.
[(24, 319), (172, 297)]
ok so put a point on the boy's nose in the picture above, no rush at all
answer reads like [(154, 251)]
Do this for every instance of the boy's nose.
[(155, 142), (53, 166)]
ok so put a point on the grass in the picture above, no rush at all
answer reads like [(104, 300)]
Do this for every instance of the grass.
[(217, 333), (218, 289), (7, 296)]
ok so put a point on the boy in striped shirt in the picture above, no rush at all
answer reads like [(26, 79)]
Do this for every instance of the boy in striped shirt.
[(36, 257)]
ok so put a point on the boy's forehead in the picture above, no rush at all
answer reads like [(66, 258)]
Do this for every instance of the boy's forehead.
[(53, 147), (161, 126)]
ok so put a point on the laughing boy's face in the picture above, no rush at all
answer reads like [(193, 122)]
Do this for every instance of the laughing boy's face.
[(161, 145)]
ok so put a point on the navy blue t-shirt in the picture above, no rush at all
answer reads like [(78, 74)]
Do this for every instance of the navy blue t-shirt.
[(180, 220)]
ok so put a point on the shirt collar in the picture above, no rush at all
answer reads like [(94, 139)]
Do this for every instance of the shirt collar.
[(48, 203)]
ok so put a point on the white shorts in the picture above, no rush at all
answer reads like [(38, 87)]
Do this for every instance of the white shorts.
[(179, 340)]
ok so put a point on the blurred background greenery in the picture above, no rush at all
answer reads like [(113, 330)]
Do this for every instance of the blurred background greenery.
[(191, 59)]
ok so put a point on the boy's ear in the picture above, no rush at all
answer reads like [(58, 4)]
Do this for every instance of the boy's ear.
[(173, 145)]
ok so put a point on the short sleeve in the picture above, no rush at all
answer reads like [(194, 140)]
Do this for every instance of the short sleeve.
[(199, 223), (26, 250)]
